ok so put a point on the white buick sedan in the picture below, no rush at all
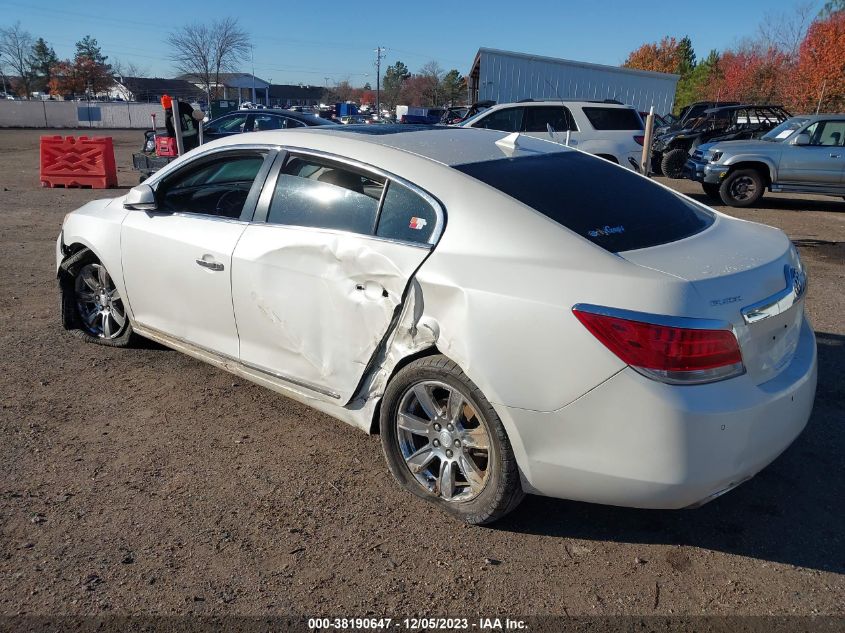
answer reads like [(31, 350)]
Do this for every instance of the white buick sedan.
[(510, 315)]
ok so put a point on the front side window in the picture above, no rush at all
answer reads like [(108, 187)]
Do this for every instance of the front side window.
[(217, 187), (504, 120), (827, 133), (539, 118), (406, 216), (326, 195), (263, 122)]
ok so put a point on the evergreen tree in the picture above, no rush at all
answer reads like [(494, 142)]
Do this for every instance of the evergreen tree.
[(43, 58)]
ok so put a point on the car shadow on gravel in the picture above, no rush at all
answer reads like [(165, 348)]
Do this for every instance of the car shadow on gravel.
[(791, 512), (773, 202)]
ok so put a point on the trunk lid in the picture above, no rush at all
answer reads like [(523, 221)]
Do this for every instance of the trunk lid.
[(733, 265)]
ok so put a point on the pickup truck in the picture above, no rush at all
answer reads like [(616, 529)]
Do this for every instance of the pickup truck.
[(804, 154)]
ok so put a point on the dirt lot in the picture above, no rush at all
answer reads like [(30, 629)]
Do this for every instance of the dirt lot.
[(142, 481)]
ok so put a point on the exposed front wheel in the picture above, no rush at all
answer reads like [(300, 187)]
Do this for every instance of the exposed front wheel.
[(444, 442), (92, 306), (742, 188), (673, 161)]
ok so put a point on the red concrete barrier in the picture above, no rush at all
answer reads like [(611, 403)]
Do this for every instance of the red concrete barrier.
[(78, 162)]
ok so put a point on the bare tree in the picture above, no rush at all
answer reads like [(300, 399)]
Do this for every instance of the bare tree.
[(432, 74), (786, 31), (204, 51), (16, 51)]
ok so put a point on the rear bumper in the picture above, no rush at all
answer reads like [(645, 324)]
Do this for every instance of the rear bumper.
[(705, 172), (636, 442)]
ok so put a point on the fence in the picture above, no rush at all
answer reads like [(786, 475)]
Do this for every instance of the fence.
[(78, 114)]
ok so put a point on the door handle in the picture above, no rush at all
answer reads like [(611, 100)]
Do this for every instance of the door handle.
[(210, 264)]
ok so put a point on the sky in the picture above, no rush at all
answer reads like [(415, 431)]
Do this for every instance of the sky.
[(322, 43)]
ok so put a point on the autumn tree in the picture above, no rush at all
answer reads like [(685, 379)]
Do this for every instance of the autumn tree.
[(830, 7), (819, 78), (91, 67), (15, 51), (664, 56), (750, 74)]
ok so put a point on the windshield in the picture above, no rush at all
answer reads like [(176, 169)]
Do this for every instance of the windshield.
[(784, 130)]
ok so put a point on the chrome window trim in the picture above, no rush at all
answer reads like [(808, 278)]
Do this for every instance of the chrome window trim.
[(781, 301), (154, 180), (439, 210), (366, 236), (691, 323)]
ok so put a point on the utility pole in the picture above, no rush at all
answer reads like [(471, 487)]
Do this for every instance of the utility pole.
[(380, 53)]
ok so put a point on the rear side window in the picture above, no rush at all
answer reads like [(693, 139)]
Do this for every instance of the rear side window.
[(325, 195), (406, 216), (613, 118), (607, 205)]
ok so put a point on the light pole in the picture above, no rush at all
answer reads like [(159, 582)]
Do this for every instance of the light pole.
[(380, 52)]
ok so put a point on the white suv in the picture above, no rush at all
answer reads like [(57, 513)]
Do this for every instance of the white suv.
[(608, 130)]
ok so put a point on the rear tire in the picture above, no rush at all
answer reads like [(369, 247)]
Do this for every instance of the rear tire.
[(444, 442), (91, 307), (672, 163), (742, 188), (711, 190)]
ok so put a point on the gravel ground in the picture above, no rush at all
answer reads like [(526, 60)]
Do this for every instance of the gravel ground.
[(144, 482)]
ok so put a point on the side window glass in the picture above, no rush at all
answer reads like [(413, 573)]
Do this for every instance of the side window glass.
[(505, 120), (218, 187), (406, 215), (831, 134), (325, 195), (292, 123), (538, 118), (230, 124), (262, 122)]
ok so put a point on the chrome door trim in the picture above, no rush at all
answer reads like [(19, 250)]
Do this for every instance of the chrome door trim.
[(163, 338), (781, 301)]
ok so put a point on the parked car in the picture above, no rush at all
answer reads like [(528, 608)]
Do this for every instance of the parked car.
[(509, 314), (805, 154), (735, 122), (609, 130), (259, 121)]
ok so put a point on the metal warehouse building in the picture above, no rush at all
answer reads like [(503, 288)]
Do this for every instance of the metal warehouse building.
[(506, 77)]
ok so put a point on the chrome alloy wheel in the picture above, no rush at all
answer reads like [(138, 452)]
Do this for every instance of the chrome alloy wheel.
[(444, 441), (743, 188), (98, 301)]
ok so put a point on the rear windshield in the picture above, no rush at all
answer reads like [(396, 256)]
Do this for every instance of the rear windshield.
[(608, 205), (614, 118)]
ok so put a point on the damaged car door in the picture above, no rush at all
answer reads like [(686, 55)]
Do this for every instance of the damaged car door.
[(319, 275)]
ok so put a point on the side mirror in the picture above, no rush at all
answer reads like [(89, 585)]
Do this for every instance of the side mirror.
[(140, 198), (801, 139)]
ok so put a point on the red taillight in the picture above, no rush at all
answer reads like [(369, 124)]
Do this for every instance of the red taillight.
[(639, 140), (674, 353)]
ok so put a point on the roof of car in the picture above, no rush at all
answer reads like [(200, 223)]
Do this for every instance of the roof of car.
[(607, 103), (289, 113), (442, 144)]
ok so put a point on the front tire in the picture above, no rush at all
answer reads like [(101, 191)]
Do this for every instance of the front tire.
[(91, 305), (672, 163), (742, 188), (444, 442)]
